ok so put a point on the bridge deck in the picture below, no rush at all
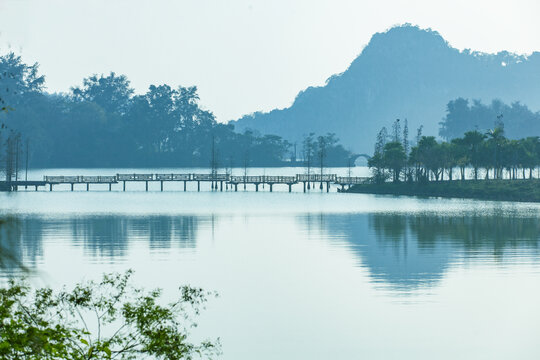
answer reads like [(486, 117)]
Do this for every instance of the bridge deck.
[(351, 180), (215, 178), (259, 179), (264, 179), (79, 179)]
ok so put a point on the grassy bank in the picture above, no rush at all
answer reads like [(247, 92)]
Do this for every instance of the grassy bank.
[(504, 190)]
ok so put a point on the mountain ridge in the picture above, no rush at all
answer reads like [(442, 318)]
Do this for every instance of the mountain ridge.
[(405, 72)]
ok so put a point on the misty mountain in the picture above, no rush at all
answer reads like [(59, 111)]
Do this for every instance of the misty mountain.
[(406, 72)]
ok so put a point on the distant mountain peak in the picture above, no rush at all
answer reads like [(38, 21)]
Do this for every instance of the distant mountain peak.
[(404, 72), (407, 33)]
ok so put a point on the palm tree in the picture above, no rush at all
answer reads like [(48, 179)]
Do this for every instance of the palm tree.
[(394, 158), (528, 155), (459, 150), (497, 140), (473, 140)]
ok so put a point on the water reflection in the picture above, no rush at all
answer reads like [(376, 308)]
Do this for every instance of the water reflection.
[(100, 236), (403, 251), (16, 248), (411, 251)]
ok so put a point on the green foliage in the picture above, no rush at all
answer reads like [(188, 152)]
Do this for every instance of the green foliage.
[(394, 158), (376, 162), (431, 160), (103, 123), (106, 320)]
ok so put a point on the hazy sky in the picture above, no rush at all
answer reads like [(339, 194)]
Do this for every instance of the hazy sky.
[(244, 55)]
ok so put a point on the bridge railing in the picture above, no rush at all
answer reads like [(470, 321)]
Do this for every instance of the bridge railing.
[(135, 177), (98, 179), (351, 180), (173, 177), (61, 179), (250, 179), (279, 179), (89, 179), (316, 177), (181, 177), (210, 177), (167, 177), (237, 179)]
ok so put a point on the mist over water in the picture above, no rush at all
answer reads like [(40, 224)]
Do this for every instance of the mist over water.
[(316, 275)]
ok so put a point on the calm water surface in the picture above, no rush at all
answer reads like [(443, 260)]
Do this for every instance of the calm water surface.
[(306, 276)]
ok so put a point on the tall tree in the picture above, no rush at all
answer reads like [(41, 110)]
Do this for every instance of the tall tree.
[(394, 158), (473, 140), (113, 93)]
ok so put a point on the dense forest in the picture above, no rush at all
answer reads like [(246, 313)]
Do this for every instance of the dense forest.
[(104, 123), (462, 116), (476, 154)]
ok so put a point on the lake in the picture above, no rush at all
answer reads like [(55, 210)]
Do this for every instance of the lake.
[(304, 276)]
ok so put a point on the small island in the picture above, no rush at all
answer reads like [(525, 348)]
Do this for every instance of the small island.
[(479, 165), (524, 190)]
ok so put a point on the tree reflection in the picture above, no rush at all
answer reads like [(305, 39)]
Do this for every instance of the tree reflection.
[(408, 251), (14, 246), (101, 237)]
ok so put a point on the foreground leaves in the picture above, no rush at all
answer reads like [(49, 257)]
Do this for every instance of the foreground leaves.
[(106, 320)]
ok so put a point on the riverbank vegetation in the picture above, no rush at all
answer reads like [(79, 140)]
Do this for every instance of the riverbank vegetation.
[(503, 190), (483, 165), (103, 123), (489, 155)]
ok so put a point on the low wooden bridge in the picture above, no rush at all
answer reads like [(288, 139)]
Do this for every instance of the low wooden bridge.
[(217, 180)]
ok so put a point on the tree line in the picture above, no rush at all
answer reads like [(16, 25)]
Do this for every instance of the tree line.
[(475, 155), (103, 123), (463, 115)]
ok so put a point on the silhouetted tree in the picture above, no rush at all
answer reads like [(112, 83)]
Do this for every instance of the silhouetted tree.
[(103, 123)]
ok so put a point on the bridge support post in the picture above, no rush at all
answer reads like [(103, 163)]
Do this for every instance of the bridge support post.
[(290, 187), (161, 185), (50, 187), (270, 187), (256, 187), (304, 186), (71, 186), (235, 187), (146, 185), (185, 185), (110, 186), (198, 186), (36, 188), (87, 186), (221, 186), (308, 185), (320, 186), (328, 186), (124, 186)]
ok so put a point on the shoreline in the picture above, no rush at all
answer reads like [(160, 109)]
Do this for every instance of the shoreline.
[(522, 190)]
